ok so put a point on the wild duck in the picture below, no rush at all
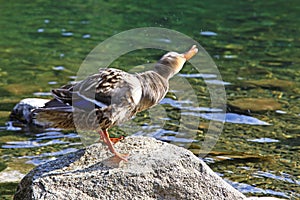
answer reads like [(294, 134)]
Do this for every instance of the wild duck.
[(110, 97)]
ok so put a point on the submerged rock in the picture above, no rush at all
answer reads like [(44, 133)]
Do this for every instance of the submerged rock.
[(10, 176), (248, 105), (274, 84), (252, 71), (21, 113), (155, 170)]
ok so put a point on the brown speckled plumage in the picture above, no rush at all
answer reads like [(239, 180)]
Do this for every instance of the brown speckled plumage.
[(111, 97)]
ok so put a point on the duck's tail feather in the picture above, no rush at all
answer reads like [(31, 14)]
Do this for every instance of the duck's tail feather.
[(55, 114), (55, 118)]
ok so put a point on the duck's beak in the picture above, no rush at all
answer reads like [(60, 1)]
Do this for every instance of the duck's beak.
[(190, 53)]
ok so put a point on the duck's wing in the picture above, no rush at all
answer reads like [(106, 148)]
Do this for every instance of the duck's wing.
[(109, 86), (106, 98)]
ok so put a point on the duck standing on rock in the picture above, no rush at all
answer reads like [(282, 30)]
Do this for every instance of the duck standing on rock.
[(111, 97)]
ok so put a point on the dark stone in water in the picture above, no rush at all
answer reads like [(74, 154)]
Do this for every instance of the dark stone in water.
[(21, 113)]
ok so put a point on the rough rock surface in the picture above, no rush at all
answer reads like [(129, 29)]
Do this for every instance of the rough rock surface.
[(155, 170)]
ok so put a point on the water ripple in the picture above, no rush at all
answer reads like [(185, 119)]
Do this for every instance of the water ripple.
[(182, 105), (208, 33), (30, 144), (205, 76), (58, 68), (217, 82), (263, 140), (284, 177), (245, 188), (42, 94), (55, 135), (229, 117), (86, 36), (57, 153), (67, 34)]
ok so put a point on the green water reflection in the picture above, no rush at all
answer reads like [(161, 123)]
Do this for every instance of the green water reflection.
[(251, 41)]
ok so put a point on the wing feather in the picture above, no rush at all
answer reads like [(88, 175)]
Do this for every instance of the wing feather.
[(109, 86)]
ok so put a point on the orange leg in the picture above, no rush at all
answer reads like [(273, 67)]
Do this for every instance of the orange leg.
[(105, 136), (115, 140)]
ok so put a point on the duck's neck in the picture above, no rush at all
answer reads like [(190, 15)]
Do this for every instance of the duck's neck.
[(164, 70), (154, 88)]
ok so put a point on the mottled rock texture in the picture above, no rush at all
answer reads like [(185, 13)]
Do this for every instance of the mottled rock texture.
[(155, 170)]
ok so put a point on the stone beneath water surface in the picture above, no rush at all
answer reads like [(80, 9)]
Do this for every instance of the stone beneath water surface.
[(155, 170), (274, 84), (21, 113), (253, 105)]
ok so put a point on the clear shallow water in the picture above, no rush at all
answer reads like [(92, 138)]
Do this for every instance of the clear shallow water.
[(43, 44)]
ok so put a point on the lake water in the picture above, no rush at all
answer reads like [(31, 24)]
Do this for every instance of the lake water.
[(255, 44)]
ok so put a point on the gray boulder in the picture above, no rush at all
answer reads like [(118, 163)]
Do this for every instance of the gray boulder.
[(155, 170)]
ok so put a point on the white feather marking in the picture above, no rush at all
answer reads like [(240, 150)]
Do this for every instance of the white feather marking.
[(92, 86), (136, 91), (98, 103)]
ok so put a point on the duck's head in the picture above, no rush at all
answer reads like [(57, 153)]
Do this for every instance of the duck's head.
[(172, 62)]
